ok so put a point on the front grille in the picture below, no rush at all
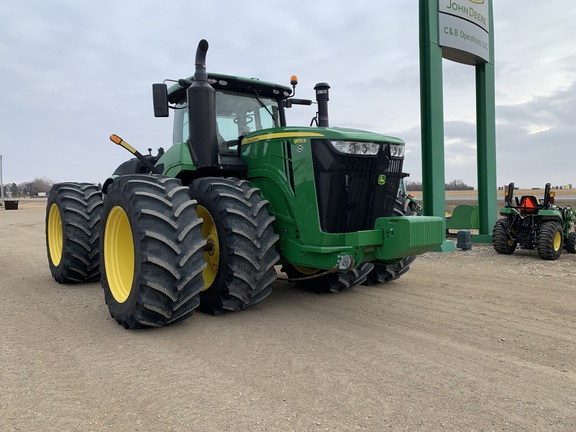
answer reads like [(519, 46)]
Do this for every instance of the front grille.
[(349, 196)]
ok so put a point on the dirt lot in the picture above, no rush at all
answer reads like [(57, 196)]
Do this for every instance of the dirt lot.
[(464, 341)]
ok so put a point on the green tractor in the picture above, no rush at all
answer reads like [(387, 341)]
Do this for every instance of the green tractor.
[(205, 223), (535, 224)]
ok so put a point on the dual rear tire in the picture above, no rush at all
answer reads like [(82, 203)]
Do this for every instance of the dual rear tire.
[(161, 249), (151, 251), (240, 252)]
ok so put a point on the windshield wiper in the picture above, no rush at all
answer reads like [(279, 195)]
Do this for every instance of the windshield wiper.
[(262, 103)]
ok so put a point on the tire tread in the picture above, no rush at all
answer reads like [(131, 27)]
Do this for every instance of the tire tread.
[(166, 230), (250, 244), (80, 205)]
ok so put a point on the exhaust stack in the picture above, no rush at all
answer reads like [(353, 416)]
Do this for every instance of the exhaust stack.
[(202, 139), (322, 97)]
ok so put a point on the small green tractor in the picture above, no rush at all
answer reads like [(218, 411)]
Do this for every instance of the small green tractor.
[(205, 223), (535, 224)]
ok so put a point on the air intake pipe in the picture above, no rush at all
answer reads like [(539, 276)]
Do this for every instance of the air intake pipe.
[(322, 97), (202, 139)]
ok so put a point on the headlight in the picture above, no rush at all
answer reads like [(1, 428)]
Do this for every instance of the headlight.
[(397, 150), (356, 148)]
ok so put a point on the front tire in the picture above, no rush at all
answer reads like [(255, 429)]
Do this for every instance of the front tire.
[(72, 232), (571, 243), (550, 240), (383, 273), (330, 282), (151, 251), (241, 251)]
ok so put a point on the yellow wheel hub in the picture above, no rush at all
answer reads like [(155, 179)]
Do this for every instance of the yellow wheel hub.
[(511, 241), (119, 254), (212, 250), (557, 241), (307, 271), (55, 235)]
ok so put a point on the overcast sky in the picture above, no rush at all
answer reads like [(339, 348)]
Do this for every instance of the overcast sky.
[(73, 72)]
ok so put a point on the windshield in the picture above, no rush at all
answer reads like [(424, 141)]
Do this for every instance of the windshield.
[(238, 114)]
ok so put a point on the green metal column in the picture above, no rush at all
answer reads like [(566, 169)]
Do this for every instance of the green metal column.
[(432, 116), (486, 144), (431, 105)]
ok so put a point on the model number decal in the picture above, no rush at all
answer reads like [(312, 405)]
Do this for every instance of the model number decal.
[(280, 135)]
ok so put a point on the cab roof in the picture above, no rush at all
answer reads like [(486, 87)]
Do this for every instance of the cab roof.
[(177, 92)]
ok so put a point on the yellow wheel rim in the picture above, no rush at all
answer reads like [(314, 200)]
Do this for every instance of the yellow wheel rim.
[(212, 252), (307, 271), (119, 254), (511, 241), (55, 234), (557, 241)]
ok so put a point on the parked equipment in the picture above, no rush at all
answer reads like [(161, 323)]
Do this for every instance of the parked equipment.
[(535, 224), (204, 223)]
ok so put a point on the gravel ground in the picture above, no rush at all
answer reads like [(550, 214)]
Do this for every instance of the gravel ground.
[(468, 340)]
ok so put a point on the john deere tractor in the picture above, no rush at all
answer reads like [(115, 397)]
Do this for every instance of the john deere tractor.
[(204, 223), (535, 224)]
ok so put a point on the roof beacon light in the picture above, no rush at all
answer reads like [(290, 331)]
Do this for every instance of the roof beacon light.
[(293, 83)]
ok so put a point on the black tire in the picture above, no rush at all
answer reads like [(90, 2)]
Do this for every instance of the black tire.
[(150, 251), (239, 231), (549, 242), (571, 243), (383, 273), (501, 240), (72, 231), (404, 206), (330, 282)]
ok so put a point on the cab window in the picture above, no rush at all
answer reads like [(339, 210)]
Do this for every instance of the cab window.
[(238, 114)]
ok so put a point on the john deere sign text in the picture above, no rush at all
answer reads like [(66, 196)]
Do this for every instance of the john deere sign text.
[(465, 30)]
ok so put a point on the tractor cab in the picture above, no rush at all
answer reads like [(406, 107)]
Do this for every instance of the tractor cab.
[(238, 114)]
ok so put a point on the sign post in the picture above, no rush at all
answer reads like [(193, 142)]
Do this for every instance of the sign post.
[(460, 31)]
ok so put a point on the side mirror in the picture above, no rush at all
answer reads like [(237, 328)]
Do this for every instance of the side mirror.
[(160, 97)]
